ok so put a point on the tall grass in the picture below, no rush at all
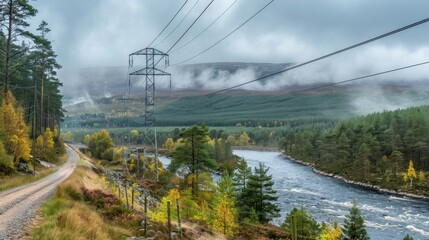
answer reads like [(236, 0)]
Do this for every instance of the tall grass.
[(67, 216), (8, 182)]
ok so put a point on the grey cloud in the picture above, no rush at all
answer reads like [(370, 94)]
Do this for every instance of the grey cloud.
[(95, 33)]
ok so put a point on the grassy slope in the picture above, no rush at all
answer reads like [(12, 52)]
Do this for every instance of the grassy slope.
[(318, 108), (229, 110), (66, 216)]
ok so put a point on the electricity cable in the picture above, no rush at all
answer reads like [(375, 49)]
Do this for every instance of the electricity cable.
[(328, 84), (226, 36), (211, 24), (180, 23), (168, 24), (357, 78), (326, 56), (178, 40)]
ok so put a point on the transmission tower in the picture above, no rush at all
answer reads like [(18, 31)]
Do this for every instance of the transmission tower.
[(152, 58)]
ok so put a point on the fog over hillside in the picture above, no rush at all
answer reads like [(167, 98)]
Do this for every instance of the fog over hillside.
[(85, 83)]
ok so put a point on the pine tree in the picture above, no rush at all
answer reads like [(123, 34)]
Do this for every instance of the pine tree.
[(13, 15), (45, 65), (260, 195), (396, 159), (422, 177), (192, 154), (240, 181), (408, 237), (343, 148), (354, 225), (241, 175), (362, 158)]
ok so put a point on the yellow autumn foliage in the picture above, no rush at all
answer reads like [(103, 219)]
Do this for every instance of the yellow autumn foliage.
[(225, 216), (12, 123), (160, 214), (331, 232)]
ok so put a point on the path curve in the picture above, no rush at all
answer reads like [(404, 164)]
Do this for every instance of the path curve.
[(19, 205)]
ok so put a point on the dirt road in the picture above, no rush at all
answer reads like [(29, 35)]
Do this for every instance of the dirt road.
[(18, 205)]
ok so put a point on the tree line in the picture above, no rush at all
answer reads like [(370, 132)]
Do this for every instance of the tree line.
[(378, 148), (241, 200), (31, 103), (28, 65)]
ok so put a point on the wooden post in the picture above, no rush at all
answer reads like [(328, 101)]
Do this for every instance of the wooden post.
[(138, 164), (294, 232), (119, 191), (178, 218), (132, 199), (126, 195), (145, 213), (169, 220)]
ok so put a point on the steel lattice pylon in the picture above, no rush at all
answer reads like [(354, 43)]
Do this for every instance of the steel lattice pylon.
[(153, 57)]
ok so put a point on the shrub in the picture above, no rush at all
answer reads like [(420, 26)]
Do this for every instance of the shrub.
[(99, 198)]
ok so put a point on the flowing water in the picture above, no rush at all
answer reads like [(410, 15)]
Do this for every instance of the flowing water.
[(327, 199)]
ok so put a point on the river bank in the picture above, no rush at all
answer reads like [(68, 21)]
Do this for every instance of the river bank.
[(358, 184), (256, 148)]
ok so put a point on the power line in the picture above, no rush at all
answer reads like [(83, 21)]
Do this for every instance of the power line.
[(321, 86), (328, 55), (168, 24), (180, 23), (211, 24), (229, 34), (359, 78), (208, 5)]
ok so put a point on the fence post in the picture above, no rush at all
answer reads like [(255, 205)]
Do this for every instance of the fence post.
[(145, 213), (178, 218), (132, 199), (294, 232), (169, 220), (119, 191), (126, 194)]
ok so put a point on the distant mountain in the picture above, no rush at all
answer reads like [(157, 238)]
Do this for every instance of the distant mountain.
[(101, 82), (88, 84)]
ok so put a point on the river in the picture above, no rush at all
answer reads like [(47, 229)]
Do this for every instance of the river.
[(327, 199)]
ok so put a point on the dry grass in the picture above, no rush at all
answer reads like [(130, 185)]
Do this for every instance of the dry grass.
[(63, 159), (67, 216), (8, 182)]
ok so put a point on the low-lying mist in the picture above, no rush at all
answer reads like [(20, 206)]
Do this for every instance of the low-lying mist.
[(387, 92)]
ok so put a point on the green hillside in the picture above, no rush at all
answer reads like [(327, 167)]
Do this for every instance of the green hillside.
[(255, 109), (321, 108)]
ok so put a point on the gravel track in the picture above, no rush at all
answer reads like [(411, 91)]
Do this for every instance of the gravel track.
[(19, 205)]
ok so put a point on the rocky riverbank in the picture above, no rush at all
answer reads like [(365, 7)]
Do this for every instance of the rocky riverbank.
[(256, 148), (359, 184)]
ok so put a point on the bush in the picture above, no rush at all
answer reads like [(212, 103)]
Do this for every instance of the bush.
[(99, 198), (73, 193), (6, 162)]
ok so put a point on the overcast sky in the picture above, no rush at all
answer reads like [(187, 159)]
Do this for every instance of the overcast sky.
[(89, 33)]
